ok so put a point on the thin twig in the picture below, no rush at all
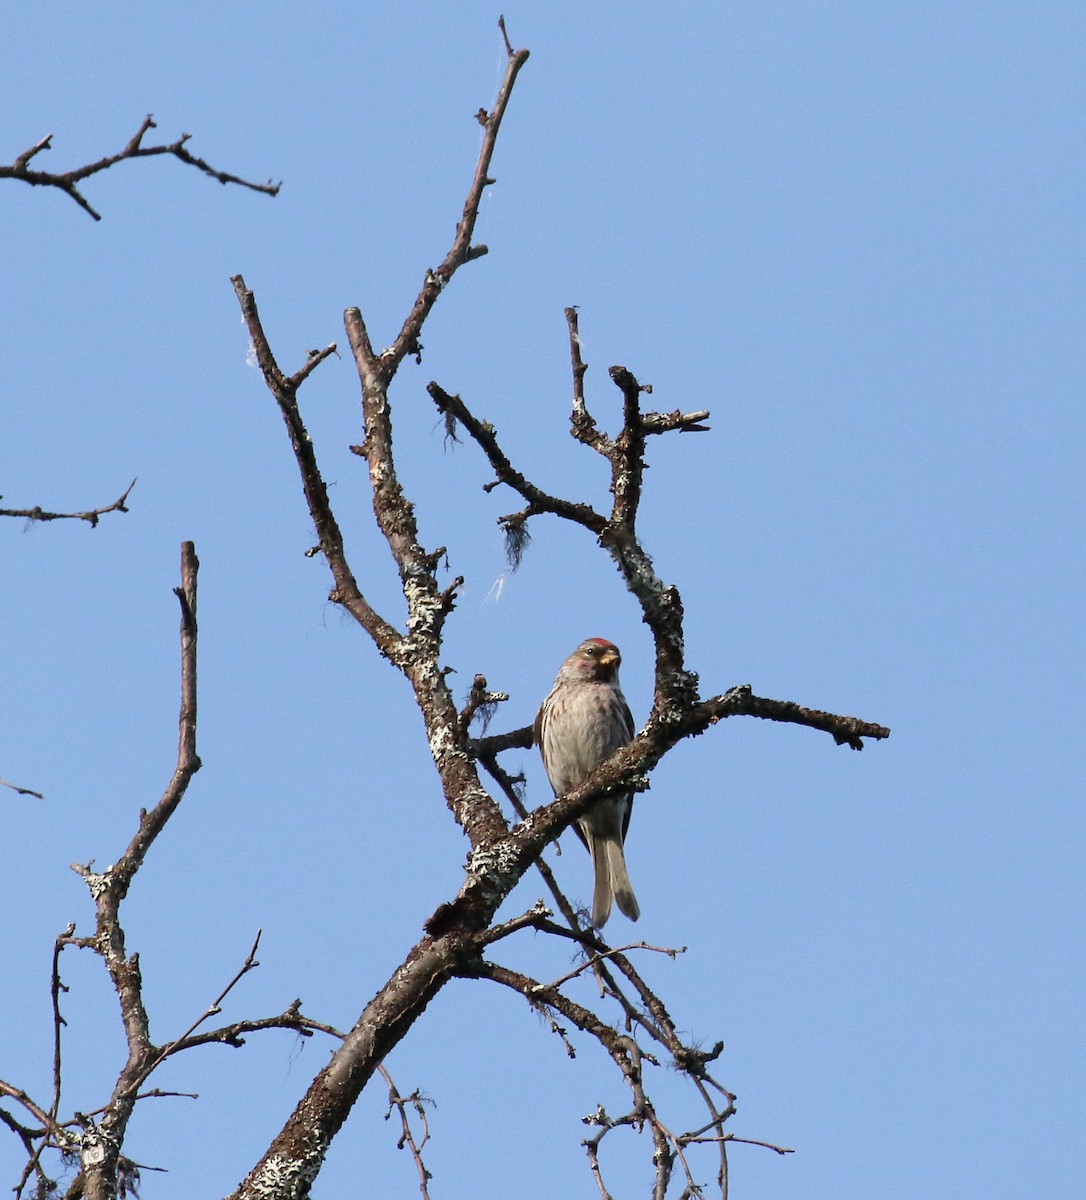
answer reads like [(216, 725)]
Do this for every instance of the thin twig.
[(233, 1035), (528, 920), (346, 591), (731, 1137), (417, 1101), (151, 1094), (36, 1111), (461, 251), (188, 761), (591, 963), (91, 516), (485, 435), (213, 1010), (56, 987), (67, 181), (22, 791)]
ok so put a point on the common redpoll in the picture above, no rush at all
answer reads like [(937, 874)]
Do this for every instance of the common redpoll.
[(583, 721)]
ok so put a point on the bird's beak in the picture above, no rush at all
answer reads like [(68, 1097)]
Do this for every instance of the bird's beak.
[(608, 657)]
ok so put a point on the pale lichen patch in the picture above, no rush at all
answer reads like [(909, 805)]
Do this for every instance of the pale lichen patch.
[(280, 1177), (97, 883), (495, 867)]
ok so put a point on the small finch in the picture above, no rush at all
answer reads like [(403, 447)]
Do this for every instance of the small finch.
[(583, 721)]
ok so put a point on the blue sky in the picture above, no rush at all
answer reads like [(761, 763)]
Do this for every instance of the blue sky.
[(852, 231)]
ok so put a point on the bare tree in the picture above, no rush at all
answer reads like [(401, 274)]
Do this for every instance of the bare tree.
[(462, 938)]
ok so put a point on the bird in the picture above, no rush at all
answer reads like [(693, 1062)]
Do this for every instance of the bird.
[(583, 720)]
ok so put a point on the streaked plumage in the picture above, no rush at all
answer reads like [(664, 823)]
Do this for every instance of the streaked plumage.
[(584, 720)]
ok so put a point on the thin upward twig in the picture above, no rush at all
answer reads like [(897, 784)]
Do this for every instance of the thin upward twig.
[(418, 1102), (212, 1010), (109, 888)]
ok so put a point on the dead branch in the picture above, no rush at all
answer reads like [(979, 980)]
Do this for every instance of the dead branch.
[(233, 1035), (481, 703), (738, 701), (21, 791), (55, 989), (538, 500), (299, 1148), (98, 1135), (416, 1101), (212, 1010), (457, 932), (68, 181), (91, 516), (101, 1141), (623, 1050), (345, 591)]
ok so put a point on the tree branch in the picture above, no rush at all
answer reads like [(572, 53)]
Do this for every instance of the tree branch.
[(461, 251), (21, 791), (68, 181), (345, 591), (456, 933), (91, 516), (623, 1050), (539, 501), (101, 1142), (418, 1102), (213, 1009), (294, 1157)]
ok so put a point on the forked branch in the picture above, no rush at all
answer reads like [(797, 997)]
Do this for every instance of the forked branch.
[(69, 181), (458, 932)]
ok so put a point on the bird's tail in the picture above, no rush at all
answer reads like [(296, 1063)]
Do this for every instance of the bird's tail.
[(620, 881), (611, 881)]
